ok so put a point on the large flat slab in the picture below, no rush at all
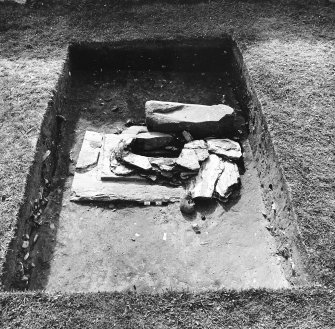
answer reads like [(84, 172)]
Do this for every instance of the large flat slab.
[(199, 120), (88, 186)]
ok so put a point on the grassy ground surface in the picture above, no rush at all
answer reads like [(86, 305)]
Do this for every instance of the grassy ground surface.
[(289, 47)]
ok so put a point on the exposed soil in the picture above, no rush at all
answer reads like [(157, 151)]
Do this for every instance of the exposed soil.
[(113, 248)]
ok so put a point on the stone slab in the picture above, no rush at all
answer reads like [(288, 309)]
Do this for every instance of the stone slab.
[(90, 151), (228, 181), (199, 120), (188, 159), (112, 143), (225, 147), (88, 186), (203, 185), (152, 140)]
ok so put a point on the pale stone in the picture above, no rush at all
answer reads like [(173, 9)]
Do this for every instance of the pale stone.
[(200, 148), (135, 130), (188, 159), (109, 167), (138, 161), (228, 181), (188, 137), (203, 185), (88, 186), (225, 147), (166, 164), (90, 151), (198, 120), (122, 170), (152, 140)]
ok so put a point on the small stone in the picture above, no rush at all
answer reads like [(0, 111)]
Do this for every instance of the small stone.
[(188, 137), (46, 155), (152, 140), (188, 159), (25, 278), (26, 256), (52, 226), (25, 244), (135, 130), (228, 181), (188, 174), (122, 170), (196, 228), (225, 147), (129, 123), (111, 206), (35, 238), (146, 203), (138, 161)]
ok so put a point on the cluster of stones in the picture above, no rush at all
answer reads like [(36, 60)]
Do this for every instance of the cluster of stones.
[(206, 166)]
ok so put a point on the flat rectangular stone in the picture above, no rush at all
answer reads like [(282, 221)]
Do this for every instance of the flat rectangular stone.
[(199, 120), (228, 181), (90, 151), (225, 147), (88, 186)]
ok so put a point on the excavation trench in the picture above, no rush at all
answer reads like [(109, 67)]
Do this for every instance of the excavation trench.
[(250, 242)]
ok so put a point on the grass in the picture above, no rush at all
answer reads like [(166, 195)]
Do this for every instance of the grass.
[(289, 50)]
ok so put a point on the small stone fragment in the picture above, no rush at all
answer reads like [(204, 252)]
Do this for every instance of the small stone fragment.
[(26, 256), (122, 170), (196, 228), (138, 161), (225, 147), (188, 159), (188, 174), (188, 137), (228, 181), (152, 140), (203, 185), (46, 155), (25, 244), (135, 130)]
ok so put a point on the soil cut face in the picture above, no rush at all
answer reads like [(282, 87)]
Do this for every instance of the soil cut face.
[(124, 246)]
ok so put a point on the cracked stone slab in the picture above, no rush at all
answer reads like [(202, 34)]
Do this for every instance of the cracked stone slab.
[(228, 181), (90, 151), (225, 147), (200, 148), (199, 120), (88, 186), (203, 185)]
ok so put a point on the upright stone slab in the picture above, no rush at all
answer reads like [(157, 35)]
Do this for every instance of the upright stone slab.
[(200, 120), (203, 185), (228, 181)]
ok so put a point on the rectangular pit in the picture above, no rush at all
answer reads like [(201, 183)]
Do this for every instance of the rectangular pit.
[(249, 243)]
